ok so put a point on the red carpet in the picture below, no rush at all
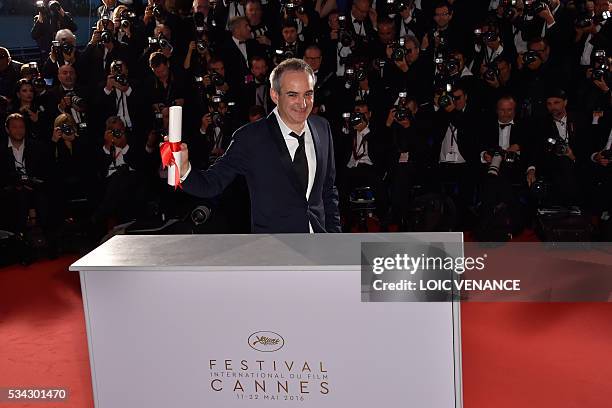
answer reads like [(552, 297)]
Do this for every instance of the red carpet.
[(514, 355)]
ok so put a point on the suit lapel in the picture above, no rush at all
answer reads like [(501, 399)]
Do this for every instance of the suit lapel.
[(318, 153), (284, 155)]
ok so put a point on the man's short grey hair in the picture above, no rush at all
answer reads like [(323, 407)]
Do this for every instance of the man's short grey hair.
[(412, 39), (113, 120), (65, 34), (233, 24), (291, 64)]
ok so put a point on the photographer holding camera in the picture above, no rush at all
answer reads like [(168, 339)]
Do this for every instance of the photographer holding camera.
[(503, 166), (361, 152), (50, 19), (165, 87), (122, 189), (120, 98), (560, 151), (67, 97), (101, 51), (63, 52), (10, 71), (594, 93), (405, 68), (409, 158), (24, 168), (26, 103)]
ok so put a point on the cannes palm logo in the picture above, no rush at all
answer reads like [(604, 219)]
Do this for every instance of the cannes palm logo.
[(266, 341)]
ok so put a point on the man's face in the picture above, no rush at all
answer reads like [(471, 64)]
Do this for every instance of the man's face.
[(161, 71), (360, 10), (253, 13), (313, 58), (504, 71), (542, 49), (16, 129), (218, 67), (243, 31), (201, 6), (164, 30), (442, 17), (67, 76), (460, 99), (412, 52), (295, 98), (289, 34), (259, 69), (333, 21), (505, 110), (386, 34), (556, 107)]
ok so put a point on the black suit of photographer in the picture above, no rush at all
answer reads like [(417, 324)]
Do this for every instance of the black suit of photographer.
[(561, 171), (236, 67), (98, 66), (21, 190), (43, 32), (503, 186)]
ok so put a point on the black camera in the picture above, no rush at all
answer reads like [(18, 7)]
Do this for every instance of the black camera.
[(500, 157), (107, 36), (117, 133), (52, 7), (356, 118), (282, 54), (510, 9), (76, 101), (158, 13), (557, 146), (216, 79), (353, 76), (293, 9), (398, 52), (600, 66), (202, 45), (118, 73), (161, 42), (529, 57), (345, 36), (490, 36), (401, 111), (583, 21), (491, 73), (446, 98), (67, 129), (533, 7), (38, 82)]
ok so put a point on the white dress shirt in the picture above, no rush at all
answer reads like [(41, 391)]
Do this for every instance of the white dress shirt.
[(562, 128), (360, 149), (122, 105), (449, 153), (119, 161), (18, 154), (503, 139)]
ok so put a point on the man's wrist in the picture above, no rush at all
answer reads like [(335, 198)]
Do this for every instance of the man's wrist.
[(186, 172)]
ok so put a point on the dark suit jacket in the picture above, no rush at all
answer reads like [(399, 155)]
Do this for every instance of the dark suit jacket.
[(236, 67), (258, 151), (489, 138)]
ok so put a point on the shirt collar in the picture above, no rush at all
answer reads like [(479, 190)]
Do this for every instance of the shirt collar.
[(508, 123), (237, 41), (10, 144), (364, 132), (285, 130)]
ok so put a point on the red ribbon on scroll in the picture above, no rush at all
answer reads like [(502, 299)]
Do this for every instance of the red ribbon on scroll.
[(167, 158)]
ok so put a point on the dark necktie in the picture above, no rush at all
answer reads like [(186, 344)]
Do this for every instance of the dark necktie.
[(300, 163), (502, 126)]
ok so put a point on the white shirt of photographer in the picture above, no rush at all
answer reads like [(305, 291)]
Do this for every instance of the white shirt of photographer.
[(361, 148), (122, 105), (449, 153), (18, 154), (118, 159)]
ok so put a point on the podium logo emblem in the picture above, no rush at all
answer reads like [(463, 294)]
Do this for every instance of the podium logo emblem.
[(266, 341)]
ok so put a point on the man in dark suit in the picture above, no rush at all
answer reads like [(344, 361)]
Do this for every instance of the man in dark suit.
[(237, 51), (503, 162), (561, 150), (287, 160)]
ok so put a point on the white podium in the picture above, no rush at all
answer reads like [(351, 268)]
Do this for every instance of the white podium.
[(216, 321)]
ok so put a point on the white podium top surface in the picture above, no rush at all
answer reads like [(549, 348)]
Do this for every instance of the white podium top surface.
[(237, 252)]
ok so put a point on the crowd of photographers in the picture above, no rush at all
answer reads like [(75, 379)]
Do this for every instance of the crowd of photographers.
[(492, 107)]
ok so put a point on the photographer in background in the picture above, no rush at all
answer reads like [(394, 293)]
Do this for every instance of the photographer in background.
[(122, 189), (503, 169), (50, 19), (63, 52), (408, 129), (561, 150), (10, 71), (67, 97), (361, 153), (24, 167)]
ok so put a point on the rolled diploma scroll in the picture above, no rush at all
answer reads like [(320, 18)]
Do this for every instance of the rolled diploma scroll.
[(174, 136)]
